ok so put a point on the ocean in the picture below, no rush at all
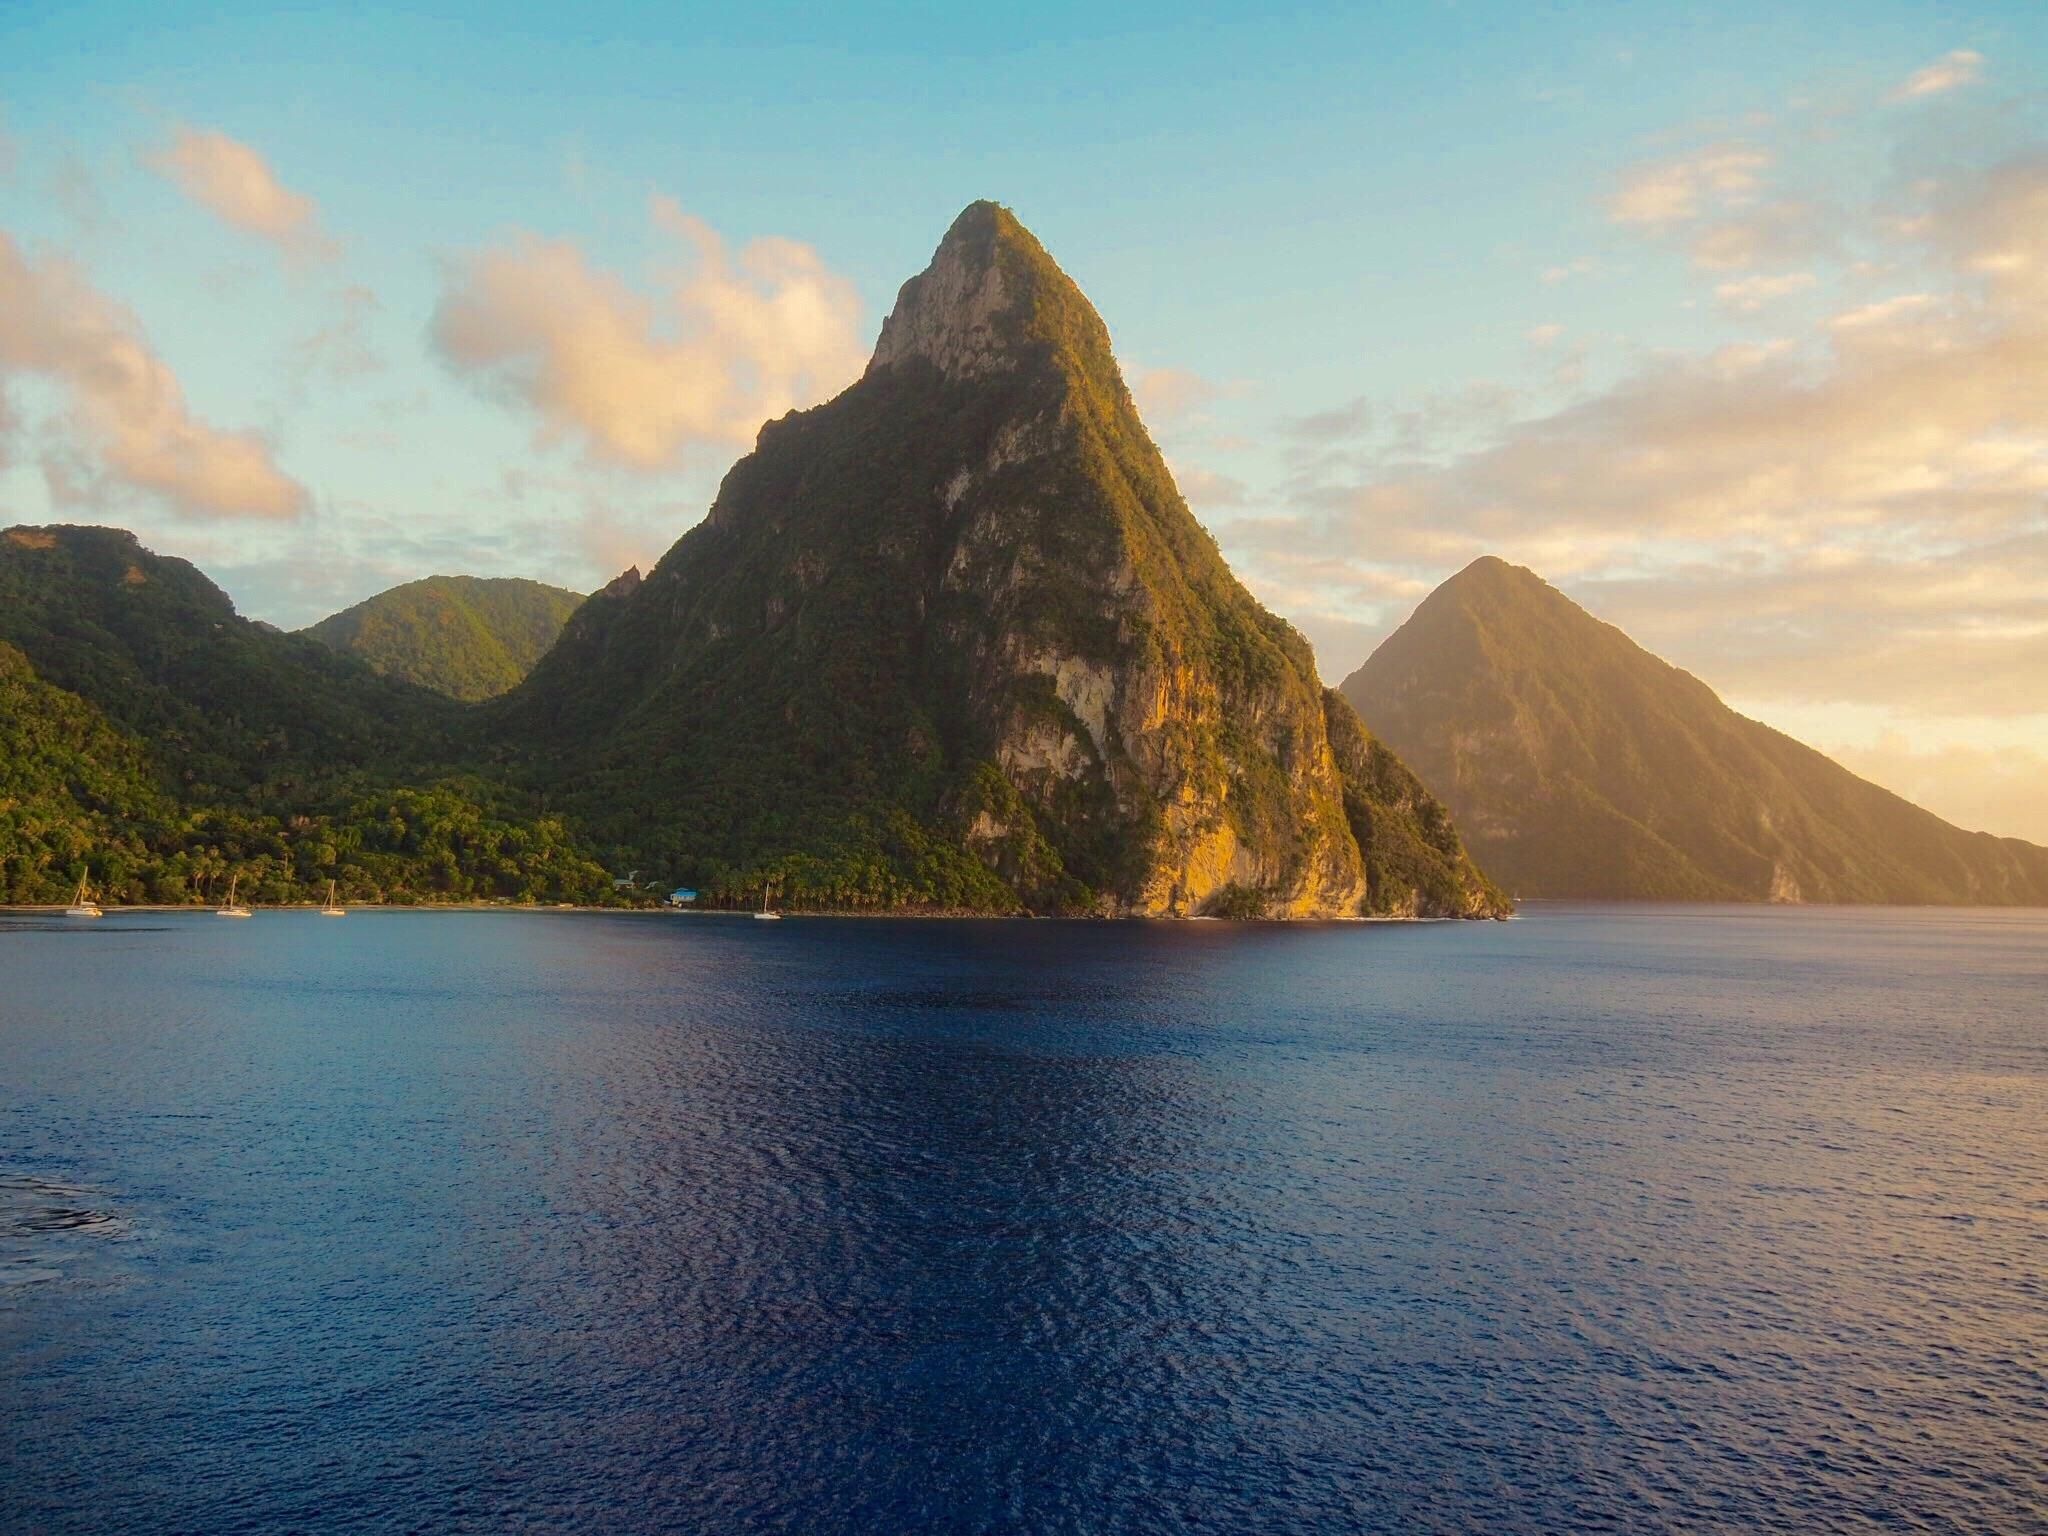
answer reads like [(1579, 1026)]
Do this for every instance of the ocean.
[(1617, 1218)]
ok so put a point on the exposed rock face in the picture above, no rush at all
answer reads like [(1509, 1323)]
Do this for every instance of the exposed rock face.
[(948, 313), (960, 613), (1579, 765)]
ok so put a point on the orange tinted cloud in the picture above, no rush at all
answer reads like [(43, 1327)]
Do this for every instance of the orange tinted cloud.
[(726, 342), (127, 428), (1678, 191), (236, 184)]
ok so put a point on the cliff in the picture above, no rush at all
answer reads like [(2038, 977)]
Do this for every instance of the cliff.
[(953, 639)]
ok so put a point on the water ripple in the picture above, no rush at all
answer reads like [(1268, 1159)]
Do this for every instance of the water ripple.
[(1606, 1220)]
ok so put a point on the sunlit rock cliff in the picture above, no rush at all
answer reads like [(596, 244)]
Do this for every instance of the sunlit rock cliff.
[(954, 640)]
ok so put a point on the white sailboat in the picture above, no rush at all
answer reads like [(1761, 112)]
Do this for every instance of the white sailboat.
[(81, 907), (331, 910), (233, 908), (767, 914)]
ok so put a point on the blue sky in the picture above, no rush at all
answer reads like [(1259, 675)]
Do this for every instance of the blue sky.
[(1395, 286)]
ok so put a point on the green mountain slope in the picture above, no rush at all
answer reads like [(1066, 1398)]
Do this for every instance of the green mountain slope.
[(233, 709), (1580, 765), (76, 794), (468, 637), (153, 740), (953, 639)]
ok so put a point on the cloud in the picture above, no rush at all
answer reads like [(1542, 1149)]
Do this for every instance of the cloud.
[(1712, 204), (1747, 295), (1351, 419), (1667, 192), (724, 344), (1545, 335), (129, 429), (1166, 395), (1564, 272), (1980, 788), (1447, 417), (1995, 229), (1946, 634), (1884, 312), (1853, 511), (1204, 488), (1778, 231), (1950, 72), (237, 185), (341, 349), (1920, 416)]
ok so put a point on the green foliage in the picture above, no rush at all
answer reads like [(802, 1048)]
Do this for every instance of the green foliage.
[(338, 785), (1415, 862), (234, 712), (996, 823), (467, 637), (1243, 903), (1579, 765), (76, 795)]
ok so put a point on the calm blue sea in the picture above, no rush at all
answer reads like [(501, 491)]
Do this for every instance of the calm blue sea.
[(1606, 1219)]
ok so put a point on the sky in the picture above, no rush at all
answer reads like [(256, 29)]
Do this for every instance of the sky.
[(1731, 321)]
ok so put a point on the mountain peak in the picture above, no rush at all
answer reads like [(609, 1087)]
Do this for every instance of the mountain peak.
[(1490, 573), (953, 639), (990, 288), (1581, 766)]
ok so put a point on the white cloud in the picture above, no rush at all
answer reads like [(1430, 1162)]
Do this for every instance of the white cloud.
[(1545, 335), (1564, 272), (726, 343), (1747, 295), (1667, 192), (1205, 489), (237, 185), (128, 429), (1949, 72), (1166, 395), (1918, 415), (1884, 311)]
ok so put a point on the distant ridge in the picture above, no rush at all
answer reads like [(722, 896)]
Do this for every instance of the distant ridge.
[(468, 637), (1580, 765)]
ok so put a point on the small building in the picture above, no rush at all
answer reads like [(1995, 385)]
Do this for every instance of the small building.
[(681, 896)]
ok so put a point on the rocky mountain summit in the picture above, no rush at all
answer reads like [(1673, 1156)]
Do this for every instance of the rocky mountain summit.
[(953, 640)]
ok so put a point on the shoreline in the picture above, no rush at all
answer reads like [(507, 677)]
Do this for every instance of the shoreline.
[(545, 909)]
